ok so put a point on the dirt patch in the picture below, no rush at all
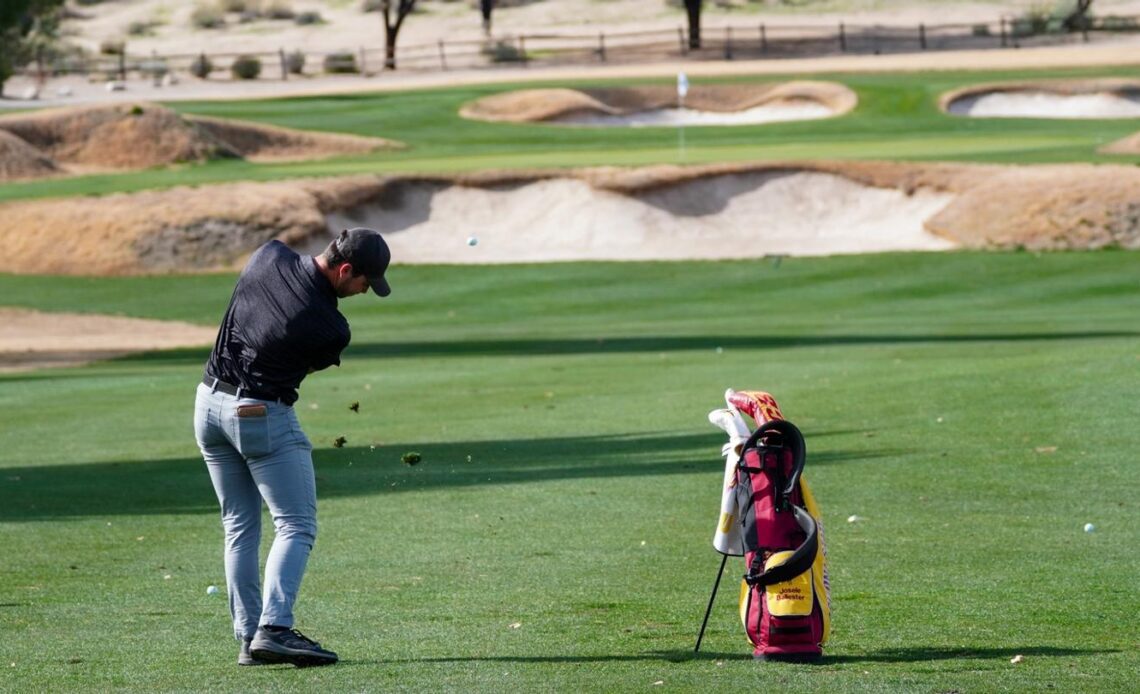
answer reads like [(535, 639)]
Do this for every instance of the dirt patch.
[(143, 135), (1127, 145), (723, 210), (1087, 98), (32, 340), (548, 105)]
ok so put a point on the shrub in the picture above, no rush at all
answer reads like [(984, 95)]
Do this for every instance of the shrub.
[(504, 52), (980, 30), (207, 17), (201, 67), (112, 47), (340, 62), (295, 62), (139, 28), (1114, 23), (238, 6), (279, 9), (1034, 21), (308, 18), (246, 67)]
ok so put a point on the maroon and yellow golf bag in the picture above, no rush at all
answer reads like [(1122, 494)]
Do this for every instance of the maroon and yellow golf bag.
[(783, 597), (769, 516)]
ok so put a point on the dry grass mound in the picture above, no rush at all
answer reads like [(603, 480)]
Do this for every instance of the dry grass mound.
[(262, 143), (20, 160), (1062, 87), (181, 229), (121, 136), (140, 136), (533, 105), (1074, 206), (1127, 145)]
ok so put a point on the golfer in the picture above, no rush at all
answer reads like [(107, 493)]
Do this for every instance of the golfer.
[(281, 325)]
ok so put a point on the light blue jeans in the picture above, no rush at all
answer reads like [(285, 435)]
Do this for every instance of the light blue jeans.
[(251, 458)]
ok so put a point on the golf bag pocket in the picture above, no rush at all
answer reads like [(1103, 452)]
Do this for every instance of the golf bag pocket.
[(251, 430), (789, 598)]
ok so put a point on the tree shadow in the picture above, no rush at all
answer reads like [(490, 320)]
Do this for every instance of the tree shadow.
[(181, 485), (648, 343)]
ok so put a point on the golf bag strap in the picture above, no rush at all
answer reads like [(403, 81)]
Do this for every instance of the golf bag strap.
[(792, 437), (800, 562)]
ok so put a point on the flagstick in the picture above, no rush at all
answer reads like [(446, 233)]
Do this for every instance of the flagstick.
[(708, 610)]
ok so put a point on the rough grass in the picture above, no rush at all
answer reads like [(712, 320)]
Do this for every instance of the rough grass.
[(974, 408)]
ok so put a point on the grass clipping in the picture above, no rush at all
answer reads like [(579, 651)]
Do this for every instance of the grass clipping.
[(140, 136)]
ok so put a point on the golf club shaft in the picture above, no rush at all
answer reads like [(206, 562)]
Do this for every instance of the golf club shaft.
[(708, 610)]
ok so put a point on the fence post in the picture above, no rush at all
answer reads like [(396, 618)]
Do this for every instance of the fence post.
[(842, 39), (1003, 34), (522, 51), (684, 43), (442, 55), (123, 65), (728, 43), (763, 39), (363, 62), (922, 36), (284, 67), (602, 46)]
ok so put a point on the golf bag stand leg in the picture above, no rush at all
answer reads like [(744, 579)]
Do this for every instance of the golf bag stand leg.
[(712, 598)]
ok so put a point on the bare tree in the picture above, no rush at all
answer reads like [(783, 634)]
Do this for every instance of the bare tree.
[(392, 29), (693, 7), (1077, 18), (486, 6)]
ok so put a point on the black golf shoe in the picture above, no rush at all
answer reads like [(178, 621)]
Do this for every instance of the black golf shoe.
[(289, 646)]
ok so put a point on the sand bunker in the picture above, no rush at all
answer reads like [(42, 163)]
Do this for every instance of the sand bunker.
[(662, 212), (1055, 99), (32, 340), (659, 105), (727, 216), (139, 136)]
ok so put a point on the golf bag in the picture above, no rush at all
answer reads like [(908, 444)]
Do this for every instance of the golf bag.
[(784, 598)]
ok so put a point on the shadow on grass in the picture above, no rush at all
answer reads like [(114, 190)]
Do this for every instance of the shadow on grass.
[(182, 485), (888, 655), (649, 344), (915, 655)]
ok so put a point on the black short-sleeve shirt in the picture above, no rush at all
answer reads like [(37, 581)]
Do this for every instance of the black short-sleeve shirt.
[(281, 323)]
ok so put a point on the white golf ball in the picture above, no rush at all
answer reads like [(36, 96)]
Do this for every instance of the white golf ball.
[(471, 241), (212, 590), (1089, 527)]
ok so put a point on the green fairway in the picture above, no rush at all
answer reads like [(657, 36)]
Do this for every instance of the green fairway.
[(897, 118), (976, 409)]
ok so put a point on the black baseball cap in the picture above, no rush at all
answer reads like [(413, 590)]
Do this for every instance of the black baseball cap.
[(368, 254)]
